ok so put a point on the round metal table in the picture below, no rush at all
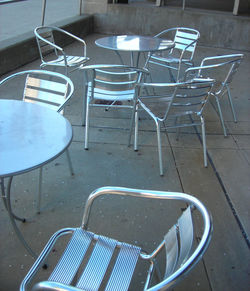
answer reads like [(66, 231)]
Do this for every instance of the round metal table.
[(31, 136), (134, 44)]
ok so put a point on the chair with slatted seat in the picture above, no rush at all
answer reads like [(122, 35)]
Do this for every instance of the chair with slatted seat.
[(222, 69), (110, 87), (45, 88), (92, 261), (185, 40), (173, 106), (51, 52)]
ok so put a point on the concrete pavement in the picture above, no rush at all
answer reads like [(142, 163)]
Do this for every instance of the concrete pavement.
[(224, 186)]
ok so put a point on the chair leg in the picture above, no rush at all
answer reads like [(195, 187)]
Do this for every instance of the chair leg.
[(136, 128), (131, 124), (221, 116), (158, 130), (231, 103), (86, 144), (171, 75), (70, 163), (84, 102), (203, 130), (38, 207)]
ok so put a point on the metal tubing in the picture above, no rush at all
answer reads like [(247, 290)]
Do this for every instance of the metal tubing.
[(158, 130), (231, 103), (70, 163), (220, 115), (136, 128), (16, 229), (43, 11), (4, 198), (204, 141), (120, 58), (87, 126), (132, 121), (39, 190)]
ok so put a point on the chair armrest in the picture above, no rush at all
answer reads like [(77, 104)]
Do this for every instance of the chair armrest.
[(75, 38), (228, 58), (53, 286)]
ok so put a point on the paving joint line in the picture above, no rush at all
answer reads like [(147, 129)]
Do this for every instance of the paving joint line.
[(230, 203)]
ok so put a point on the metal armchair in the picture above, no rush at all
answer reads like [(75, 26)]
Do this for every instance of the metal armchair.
[(173, 105), (53, 54), (185, 40), (46, 88), (111, 87), (222, 69), (110, 264)]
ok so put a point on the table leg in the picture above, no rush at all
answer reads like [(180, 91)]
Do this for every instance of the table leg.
[(4, 198), (119, 56), (12, 217)]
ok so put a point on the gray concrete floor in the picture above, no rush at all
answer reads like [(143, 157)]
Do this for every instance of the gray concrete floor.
[(224, 186)]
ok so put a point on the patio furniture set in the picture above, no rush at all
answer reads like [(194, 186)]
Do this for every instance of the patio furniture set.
[(175, 104)]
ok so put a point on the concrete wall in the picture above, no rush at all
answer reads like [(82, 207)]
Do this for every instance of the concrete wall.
[(23, 49), (218, 29)]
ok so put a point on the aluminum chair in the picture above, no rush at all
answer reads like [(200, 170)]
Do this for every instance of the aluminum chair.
[(110, 263), (110, 87), (170, 104), (222, 69), (185, 40), (45, 88), (52, 54)]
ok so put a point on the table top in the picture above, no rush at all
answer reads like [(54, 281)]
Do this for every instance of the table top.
[(31, 135), (134, 43)]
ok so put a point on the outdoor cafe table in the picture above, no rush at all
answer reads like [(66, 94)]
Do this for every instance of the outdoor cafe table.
[(134, 44), (31, 136)]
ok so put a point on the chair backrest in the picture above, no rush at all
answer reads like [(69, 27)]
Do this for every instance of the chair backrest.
[(178, 99), (46, 88), (113, 80), (46, 42), (185, 40), (221, 68), (181, 254)]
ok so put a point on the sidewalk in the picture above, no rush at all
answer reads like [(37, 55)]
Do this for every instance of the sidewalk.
[(21, 17), (224, 187)]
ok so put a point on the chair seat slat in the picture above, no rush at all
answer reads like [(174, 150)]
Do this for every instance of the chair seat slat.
[(111, 95), (46, 84), (92, 277), (72, 257), (124, 268), (186, 235), (186, 35), (182, 47), (43, 97), (172, 251), (184, 41)]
